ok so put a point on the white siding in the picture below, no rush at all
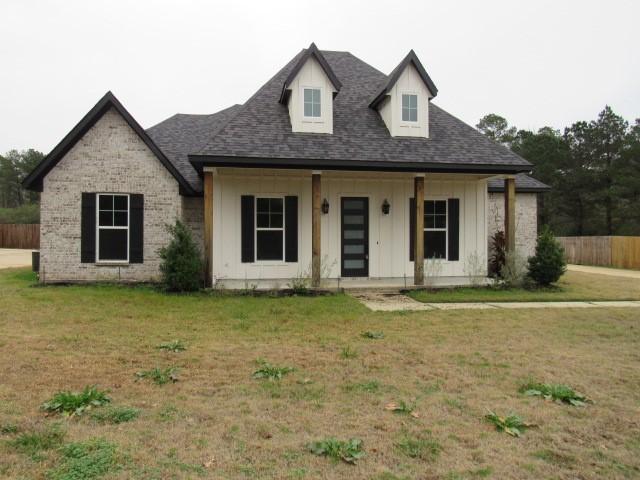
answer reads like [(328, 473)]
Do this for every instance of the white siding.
[(388, 234), (311, 75)]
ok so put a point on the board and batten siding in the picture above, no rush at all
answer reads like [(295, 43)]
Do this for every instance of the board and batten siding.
[(388, 234)]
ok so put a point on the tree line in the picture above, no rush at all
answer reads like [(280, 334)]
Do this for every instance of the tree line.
[(592, 167), (18, 205)]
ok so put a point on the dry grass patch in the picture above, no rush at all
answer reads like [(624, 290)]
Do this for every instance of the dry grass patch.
[(219, 422)]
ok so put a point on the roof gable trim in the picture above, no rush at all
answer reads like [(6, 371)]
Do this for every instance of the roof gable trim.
[(312, 51), (411, 58), (34, 181)]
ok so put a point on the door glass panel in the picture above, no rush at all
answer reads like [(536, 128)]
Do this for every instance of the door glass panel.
[(351, 249), (353, 204), (354, 264), (354, 234), (354, 219)]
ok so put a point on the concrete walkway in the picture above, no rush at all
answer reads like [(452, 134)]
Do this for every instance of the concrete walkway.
[(389, 302), (13, 257), (613, 272)]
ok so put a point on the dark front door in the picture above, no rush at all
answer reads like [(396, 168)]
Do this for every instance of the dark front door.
[(355, 236)]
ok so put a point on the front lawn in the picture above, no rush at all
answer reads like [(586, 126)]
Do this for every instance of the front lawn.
[(412, 398), (573, 286)]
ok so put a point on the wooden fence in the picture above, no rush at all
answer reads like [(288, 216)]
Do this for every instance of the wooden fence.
[(622, 252), (20, 236)]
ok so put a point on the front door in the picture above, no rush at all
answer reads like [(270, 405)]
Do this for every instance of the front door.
[(355, 236)]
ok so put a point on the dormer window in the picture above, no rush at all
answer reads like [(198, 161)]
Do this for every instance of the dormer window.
[(312, 102), (409, 107)]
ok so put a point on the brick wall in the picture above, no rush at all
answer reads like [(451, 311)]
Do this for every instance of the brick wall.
[(526, 220), (109, 158)]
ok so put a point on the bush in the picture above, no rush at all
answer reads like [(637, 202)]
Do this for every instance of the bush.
[(514, 270), (548, 264), (181, 266), (498, 256)]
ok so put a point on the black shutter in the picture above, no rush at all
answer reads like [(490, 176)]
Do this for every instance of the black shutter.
[(291, 229), (136, 228), (453, 208), (247, 228), (412, 226), (88, 228)]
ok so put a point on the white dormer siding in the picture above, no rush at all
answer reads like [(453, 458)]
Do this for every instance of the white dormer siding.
[(311, 76), (409, 83)]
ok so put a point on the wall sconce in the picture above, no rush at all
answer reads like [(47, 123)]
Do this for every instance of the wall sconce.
[(325, 206), (386, 207)]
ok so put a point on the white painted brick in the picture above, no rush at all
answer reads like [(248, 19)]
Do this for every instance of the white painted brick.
[(526, 220)]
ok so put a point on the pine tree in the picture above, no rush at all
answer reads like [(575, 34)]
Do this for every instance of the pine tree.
[(548, 264)]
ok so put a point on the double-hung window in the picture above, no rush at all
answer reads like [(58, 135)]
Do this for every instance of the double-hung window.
[(435, 229), (112, 236), (311, 102), (270, 229), (409, 107)]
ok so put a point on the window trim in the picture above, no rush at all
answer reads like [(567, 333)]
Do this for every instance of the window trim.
[(417, 120), (127, 228), (256, 229), (434, 229), (312, 118)]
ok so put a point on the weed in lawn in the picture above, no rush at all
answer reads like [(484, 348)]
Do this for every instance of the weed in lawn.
[(554, 458), (8, 429), (270, 372), (422, 446), (349, 451), (86, 460), (402, 407), (430, 388), (511, 424), (172, 346), (554, 392), (160, 376), (115, 415), (348, 353), (76, 403), (372, 335), (34, 442), (371, 386), (168, 413)]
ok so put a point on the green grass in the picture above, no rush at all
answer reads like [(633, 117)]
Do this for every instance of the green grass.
[(115, 414), (159, 376), (422, 446), (172, 346), (33, 443), (349, 451), (573, 286), (85, 460)]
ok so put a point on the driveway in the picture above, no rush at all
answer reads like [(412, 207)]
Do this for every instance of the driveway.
[(13, 257), (613, 272)]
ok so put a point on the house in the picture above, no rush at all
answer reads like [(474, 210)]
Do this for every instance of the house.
[(331, 168)]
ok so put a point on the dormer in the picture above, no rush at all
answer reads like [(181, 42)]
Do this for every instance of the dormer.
[(309, 91), (403, 102)]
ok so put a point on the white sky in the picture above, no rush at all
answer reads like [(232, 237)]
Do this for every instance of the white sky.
[(536, 63)]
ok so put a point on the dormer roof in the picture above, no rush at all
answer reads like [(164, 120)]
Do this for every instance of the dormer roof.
[(308, 53), (411, 58)]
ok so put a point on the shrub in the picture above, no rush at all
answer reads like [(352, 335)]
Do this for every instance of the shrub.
[(160, 376), (498, 248), (514, 270), (181, 267), (76, 403), (548, 264), (348, 451), (115, 415)]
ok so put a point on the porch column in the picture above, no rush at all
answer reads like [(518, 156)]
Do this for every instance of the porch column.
[(208, 228), (315, 228), (418, 241), (510, 214)]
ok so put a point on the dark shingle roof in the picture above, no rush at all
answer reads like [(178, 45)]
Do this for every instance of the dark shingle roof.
[(183, 134), (262, 130), (524, 184)]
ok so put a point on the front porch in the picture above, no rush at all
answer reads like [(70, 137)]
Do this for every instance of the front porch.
[(264, 228)]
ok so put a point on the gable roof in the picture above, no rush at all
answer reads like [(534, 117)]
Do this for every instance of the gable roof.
[(34, 180), (260, 133), (310, 52), (411, 58), (182, 134), (524, 184)]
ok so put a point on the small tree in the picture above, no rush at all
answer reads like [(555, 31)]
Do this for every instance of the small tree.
[(181, 266), (548, 264)]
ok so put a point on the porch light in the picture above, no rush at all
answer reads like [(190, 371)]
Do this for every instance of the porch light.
[(386, 207), (325, 206)]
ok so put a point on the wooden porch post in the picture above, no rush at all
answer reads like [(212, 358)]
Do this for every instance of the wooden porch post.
[(418, 243), (208, 228), (510, 213), (315, 228)]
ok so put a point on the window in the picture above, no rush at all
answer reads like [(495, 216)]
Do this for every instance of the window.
[(312, 102), (435, 229), (112, 237), (270, 228), (409, 108)]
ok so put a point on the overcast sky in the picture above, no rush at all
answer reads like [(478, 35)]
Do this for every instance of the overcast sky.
[(536, 63)]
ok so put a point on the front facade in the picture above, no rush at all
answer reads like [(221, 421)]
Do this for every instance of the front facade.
[(317, 176)]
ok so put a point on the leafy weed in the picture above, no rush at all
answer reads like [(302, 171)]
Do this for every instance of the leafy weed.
[(372, 335), (270, 372), (554, 392), (424, 446), (349, 451), (512, 424), (76, 403), (160, 376), (115, 415), (172, 346)]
